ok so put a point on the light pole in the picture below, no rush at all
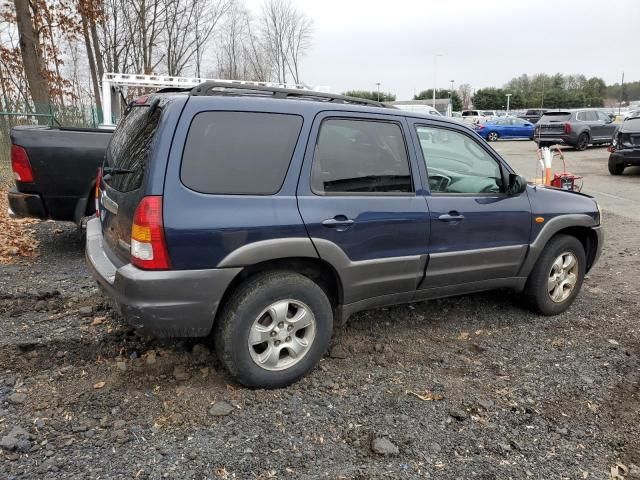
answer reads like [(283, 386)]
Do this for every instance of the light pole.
[(508, 97), (435, 76), (451, 100), (378, 85)]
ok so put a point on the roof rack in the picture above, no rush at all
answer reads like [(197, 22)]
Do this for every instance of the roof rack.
[(220, 88)]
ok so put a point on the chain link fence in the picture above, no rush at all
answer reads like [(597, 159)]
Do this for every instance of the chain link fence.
[(87, 116)]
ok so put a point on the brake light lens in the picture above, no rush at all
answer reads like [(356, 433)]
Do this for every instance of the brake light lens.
[(567, 128), (20, 164), (148, 246)]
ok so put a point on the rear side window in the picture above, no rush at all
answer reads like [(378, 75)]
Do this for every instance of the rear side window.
[(130, 145), (360, 157), (239, 153)]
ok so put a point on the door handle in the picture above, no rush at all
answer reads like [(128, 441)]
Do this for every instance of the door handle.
[(452, 216), (337, 221)]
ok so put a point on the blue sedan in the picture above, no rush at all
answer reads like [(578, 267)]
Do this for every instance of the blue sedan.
[(509, 127)]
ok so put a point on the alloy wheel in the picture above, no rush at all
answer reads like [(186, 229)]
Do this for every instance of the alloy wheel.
[(563, 277)]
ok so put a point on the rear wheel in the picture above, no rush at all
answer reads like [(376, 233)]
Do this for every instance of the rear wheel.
[(615, 168), (557, 277), (493, 136), (274, 329), (583, 142)]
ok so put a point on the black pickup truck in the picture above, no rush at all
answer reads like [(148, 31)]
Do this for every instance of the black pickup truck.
[(55, 170), (533, 115)]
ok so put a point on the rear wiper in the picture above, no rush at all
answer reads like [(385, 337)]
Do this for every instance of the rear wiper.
[(116, 170)]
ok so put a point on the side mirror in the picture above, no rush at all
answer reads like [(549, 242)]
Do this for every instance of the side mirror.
[(517, 184)]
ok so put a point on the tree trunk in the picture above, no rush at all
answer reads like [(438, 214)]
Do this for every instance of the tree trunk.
[(96, 48), (32, 59), (92, 63)]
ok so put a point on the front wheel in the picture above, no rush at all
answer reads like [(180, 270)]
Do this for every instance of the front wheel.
[(274, 329), (557, 276), (583, 142), (615, 168), (493, 136)]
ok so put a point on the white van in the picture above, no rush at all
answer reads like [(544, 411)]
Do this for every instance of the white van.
[(418, 108)]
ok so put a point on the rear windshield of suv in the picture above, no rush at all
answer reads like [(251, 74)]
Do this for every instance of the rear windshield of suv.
[(555, 117), (631, 125), (239, 153), (130, 146)]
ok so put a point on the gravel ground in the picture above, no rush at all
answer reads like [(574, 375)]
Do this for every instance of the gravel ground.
[(469, 387)]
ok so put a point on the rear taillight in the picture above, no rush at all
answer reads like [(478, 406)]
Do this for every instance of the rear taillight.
[(148, 246), (97, 192), (20, 164), (567, 128)]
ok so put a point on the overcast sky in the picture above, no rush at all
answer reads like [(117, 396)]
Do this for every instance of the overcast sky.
[(357, 43)]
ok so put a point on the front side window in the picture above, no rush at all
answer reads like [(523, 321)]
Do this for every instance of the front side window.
[(360, 157), (239, 153), (457, 164)]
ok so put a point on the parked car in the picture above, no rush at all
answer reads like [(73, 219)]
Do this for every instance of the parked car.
[(418, 108), (477, 116), (55, 171), (625, 148), (507, 127), (268, 215), (533, 115), (577, 128)]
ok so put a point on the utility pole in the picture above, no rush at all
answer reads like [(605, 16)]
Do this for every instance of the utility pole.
[(542, 101), (508, 98), (435, 76), (378, 84)]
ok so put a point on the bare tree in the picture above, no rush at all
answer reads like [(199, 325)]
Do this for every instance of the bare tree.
[(464, 91), (287, 35), (32, 60), (188, 25)]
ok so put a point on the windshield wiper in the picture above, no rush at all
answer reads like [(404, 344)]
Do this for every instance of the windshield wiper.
[(116, 170)]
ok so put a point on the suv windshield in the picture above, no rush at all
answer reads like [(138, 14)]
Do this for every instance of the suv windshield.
[(631, 125), (128, 151), (555, 117)]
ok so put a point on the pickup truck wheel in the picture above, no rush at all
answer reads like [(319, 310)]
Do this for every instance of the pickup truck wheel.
[(557, 277), (582, 143), (274, 329), (493, 136), (615, 168)]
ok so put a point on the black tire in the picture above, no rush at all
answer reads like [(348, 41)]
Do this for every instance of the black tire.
[(582, 143), (544, 144), (537, 290), (493, 136), (242, 310), (615, 168)]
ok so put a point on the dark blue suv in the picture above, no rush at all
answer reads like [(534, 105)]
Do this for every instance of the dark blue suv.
[(264, 216)]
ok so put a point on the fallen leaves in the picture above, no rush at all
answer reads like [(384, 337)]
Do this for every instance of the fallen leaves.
[(98, 321), (427, 396), (99, 385), (16, 239)]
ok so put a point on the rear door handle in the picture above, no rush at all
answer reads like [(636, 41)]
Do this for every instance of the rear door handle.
[(337, 222), (452, 216)]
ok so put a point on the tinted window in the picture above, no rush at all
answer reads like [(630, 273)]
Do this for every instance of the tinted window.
[(591, 115), (239, 152), (458, 164), (555, 117), (470, 113), (357, 156), (130, 146)]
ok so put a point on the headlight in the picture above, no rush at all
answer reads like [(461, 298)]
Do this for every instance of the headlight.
[(599, 212)]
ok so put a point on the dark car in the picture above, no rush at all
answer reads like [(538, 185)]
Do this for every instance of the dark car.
[(625, 148), (577, 128), (533, 115), (268, 215), (55, 171), (507, 127)]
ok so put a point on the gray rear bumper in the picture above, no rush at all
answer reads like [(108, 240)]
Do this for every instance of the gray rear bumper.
[(171, 303)]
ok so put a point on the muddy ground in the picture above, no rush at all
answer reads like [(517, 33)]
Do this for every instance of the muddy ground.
[(470, 387)]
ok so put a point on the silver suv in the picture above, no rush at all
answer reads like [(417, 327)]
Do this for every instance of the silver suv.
[(577, 128)]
